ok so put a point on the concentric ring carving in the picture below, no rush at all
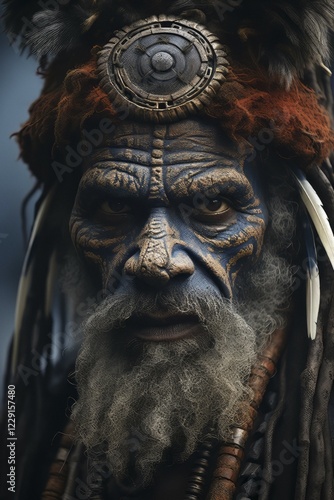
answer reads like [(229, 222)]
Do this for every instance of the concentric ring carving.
[(162, 68)]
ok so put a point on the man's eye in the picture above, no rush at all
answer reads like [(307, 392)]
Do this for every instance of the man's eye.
[(215, 205), (115, 208), (213, 211)]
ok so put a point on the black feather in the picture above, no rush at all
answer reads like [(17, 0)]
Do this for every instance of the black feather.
[(15, 12), (55, 32), (289, 36), (284, 36), (34, 22)]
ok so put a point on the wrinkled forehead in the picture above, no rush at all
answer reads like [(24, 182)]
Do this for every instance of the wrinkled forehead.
[(185, 143)]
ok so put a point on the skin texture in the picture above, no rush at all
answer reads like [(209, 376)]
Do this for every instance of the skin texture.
[(168, 204), (166, 208)]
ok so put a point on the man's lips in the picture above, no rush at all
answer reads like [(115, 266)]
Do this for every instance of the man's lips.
[(163, 327)]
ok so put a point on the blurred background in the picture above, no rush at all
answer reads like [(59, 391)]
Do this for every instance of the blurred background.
[(19, 87)]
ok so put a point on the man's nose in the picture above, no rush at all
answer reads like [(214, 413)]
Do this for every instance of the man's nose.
[(159, 256)]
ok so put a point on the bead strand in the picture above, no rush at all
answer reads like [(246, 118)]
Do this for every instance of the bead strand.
[(200, 469)]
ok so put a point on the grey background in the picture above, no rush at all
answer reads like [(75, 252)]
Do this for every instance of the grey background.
[(19, 87)]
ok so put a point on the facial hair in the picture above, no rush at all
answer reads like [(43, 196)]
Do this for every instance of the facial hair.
[(169, 393)]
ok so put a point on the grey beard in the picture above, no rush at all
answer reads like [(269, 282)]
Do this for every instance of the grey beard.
[(172, 391)]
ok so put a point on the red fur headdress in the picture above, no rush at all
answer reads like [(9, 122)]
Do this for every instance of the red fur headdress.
[(272, 46), (277, 80), (286, 36)]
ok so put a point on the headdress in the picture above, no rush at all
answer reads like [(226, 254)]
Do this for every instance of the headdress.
[(250, 65)]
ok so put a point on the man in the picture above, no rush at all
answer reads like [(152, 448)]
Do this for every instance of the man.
[(172, 252)]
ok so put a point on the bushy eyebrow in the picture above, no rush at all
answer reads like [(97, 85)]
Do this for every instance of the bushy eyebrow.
[(121, 179), (131, 181), (207, 181)]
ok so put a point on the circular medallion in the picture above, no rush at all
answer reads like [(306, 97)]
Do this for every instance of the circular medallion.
[(162, 68)]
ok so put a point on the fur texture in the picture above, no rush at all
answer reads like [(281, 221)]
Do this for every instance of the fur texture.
[(284, 36), (247, 105)]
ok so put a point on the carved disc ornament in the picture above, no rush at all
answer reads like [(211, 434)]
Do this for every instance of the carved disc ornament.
[(162, 68)]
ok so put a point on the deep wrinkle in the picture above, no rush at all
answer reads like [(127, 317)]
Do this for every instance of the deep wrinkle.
[(174, 197)]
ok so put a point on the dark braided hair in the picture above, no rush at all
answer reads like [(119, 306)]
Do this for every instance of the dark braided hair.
[(72, 99)]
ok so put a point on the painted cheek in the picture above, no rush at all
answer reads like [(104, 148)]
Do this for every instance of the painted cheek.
[(224, 252)]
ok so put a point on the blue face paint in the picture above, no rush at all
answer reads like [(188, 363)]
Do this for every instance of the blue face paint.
[(169, 205)]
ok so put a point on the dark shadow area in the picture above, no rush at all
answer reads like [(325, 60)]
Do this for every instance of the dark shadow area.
[(18, 88)]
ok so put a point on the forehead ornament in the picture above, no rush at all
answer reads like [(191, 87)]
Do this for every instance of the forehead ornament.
[(162, 68)]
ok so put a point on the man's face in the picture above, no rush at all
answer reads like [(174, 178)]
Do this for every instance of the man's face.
[(171, 223), (170, 206)]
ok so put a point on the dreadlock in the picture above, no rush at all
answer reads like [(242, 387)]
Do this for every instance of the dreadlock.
[(277, 79)]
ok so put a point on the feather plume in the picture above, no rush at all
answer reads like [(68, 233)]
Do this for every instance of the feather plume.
[(26, 276), (316, 212), (48, 27), (50, 284), (54, 32), (313, 279), (288, 36), (284, 36)]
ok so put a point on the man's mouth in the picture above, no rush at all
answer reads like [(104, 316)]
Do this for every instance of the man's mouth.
[(161, 327)]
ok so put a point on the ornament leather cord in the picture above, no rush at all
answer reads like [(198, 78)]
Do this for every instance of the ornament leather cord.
[(198, 478), (231, 453), (60, 468)]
